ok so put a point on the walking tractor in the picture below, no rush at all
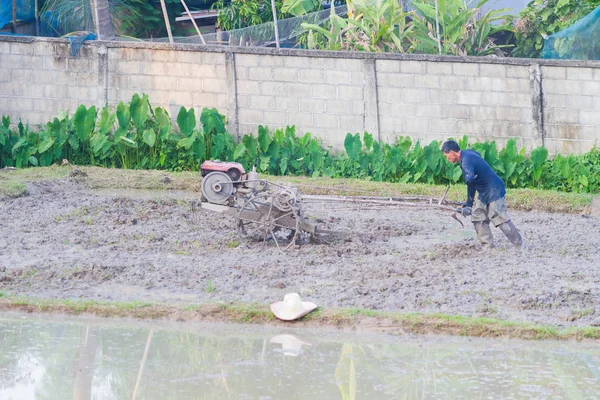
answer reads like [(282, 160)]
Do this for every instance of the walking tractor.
[(262, 209), (266, 210)]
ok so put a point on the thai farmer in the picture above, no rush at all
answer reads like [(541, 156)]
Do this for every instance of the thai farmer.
[(490, 205)]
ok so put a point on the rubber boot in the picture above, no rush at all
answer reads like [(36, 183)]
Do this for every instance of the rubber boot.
[(511, 233), (484, 234)]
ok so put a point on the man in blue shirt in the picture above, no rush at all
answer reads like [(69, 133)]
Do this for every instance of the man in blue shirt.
[(490, 205)]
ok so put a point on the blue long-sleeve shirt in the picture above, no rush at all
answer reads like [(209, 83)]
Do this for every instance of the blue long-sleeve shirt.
[(480, 177)]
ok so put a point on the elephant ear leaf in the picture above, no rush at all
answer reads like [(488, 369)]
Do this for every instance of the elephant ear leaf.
[(186, 120), (85, 122)]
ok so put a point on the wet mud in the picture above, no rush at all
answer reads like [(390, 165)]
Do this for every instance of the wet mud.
[(66, 241)]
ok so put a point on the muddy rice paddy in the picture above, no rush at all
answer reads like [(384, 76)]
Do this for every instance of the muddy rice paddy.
[(66, 241)]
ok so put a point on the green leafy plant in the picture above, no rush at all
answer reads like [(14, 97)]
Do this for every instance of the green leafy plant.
[(542, 18), (460, 32)]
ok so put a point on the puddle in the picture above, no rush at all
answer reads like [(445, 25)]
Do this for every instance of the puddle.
[(62, 358)]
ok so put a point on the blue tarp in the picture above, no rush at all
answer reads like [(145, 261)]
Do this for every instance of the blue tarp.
[(580, 41), (25, 11)]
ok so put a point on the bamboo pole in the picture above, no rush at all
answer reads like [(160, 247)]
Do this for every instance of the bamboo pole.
[(144, 357), (193, 21), (167, 23), (275, 23)]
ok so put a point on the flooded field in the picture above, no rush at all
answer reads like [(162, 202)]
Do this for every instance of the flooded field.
[(64, 358), (66, 241)]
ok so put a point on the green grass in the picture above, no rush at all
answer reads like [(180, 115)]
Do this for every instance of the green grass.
[(355, 318), (12, 184)]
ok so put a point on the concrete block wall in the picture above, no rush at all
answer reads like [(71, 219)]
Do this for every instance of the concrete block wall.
[(39, 79), (170, 78), (327, 97), (434, 101), (571, 108), (538, 102)]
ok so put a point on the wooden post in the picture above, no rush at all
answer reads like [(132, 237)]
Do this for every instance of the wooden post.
[(275, 23), (37, 19), (14, 16), (193, 21), (167, 23)]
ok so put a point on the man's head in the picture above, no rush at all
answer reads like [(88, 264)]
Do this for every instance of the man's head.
[(451, 150)]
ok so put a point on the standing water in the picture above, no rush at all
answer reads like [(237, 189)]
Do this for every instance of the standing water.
[(102, 359)]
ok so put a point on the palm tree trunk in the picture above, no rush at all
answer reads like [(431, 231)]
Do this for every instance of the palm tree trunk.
[(104, 24)]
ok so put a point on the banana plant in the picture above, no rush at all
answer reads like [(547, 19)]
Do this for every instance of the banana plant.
[(460, 33), (330, 37), (378, 27)]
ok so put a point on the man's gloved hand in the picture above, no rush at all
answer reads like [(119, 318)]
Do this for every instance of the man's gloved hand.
[(465, 211)]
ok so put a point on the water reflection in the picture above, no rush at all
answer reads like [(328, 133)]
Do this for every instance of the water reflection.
[(43, 359)]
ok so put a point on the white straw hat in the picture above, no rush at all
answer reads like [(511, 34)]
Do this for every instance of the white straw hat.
[(292, 307), (290, 344)]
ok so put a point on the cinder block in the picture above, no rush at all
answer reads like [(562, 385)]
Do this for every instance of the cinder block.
[(479, 83), (402, 110), (270, 61), (201, 100), (180, 69), (4, 75), (21, 48), (445, 125), (157, 69), (34, 62), (275, 118), (583, 74), (310, 75), (456, 111), (322, 92), (508, 113), (124, 67), (350, 93), (396, 80), (21, 75), (439, 68), (180, 98), (416, 125), (517, 71), (555, 100), (4, 48), (251, 116), (518, 85), (465, 69), (429, 110), (214, 86), (468, 97), (387, 66), (159, 55), (115, 81), (286, 103), (442, 96), (427, 81), (352, 123), (273, 88), (554, 72), (54, 91), (453, 82), (10, 61), (349, 65), (597, 74), (389, 95), (262, 102), (591, 88), (188, 84), (415, 95), (285, 74), (519, 100), (22, 104), (302, 62), (492, 70), (56, 63), (339, 107), (338, 77), (358, 107), (5, 104), (313, 105), (248, 87), (482, 112), (411, 67), (302, 120), (165, 83), (42, 77), (589, 118), (562, 116), (260, 74), (32, 90), (326, 120), (145, 82), (495, 99)]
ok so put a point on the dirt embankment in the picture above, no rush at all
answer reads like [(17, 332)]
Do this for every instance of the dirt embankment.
[(65, 241)]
